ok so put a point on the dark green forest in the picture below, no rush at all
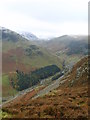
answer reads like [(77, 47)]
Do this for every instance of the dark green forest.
[(27, 80)]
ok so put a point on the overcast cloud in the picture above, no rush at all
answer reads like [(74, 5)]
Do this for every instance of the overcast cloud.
[(45, 18)]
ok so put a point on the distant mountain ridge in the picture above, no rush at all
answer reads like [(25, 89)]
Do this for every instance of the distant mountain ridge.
[(28, 35), (66, 47), (64, 42)]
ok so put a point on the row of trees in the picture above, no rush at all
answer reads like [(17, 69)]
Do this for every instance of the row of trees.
[(27, 80)]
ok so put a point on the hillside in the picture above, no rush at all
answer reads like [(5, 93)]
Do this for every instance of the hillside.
[(18, 51), (68, 48), (20, 54), (63, 42), (69, 100)]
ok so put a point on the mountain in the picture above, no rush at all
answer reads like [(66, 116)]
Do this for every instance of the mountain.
[(21, 54), (8, 35), (19, 49), (69, 100), (69, 48), (56, 93), (28, 35), (63, 42)]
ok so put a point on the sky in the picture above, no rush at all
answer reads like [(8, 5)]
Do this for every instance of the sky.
[(45, 18)]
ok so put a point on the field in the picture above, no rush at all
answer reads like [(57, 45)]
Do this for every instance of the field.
[(7, 89)]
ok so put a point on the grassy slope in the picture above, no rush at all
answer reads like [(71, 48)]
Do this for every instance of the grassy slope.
[(14, 57), (33, 61), (7, 90), (61, 45)]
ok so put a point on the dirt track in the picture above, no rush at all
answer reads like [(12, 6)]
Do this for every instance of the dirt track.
[(49, 88)]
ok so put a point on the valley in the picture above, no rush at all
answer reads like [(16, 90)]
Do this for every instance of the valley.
[(69, 98), (44, 78), (45, 60)]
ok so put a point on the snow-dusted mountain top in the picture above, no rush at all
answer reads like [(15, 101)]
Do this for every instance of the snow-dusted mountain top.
[(28, 35)]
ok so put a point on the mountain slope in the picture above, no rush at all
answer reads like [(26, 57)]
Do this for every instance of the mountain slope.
[(19, 50), (69, 100), (63, 42), (20, 54), (68, 48)]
